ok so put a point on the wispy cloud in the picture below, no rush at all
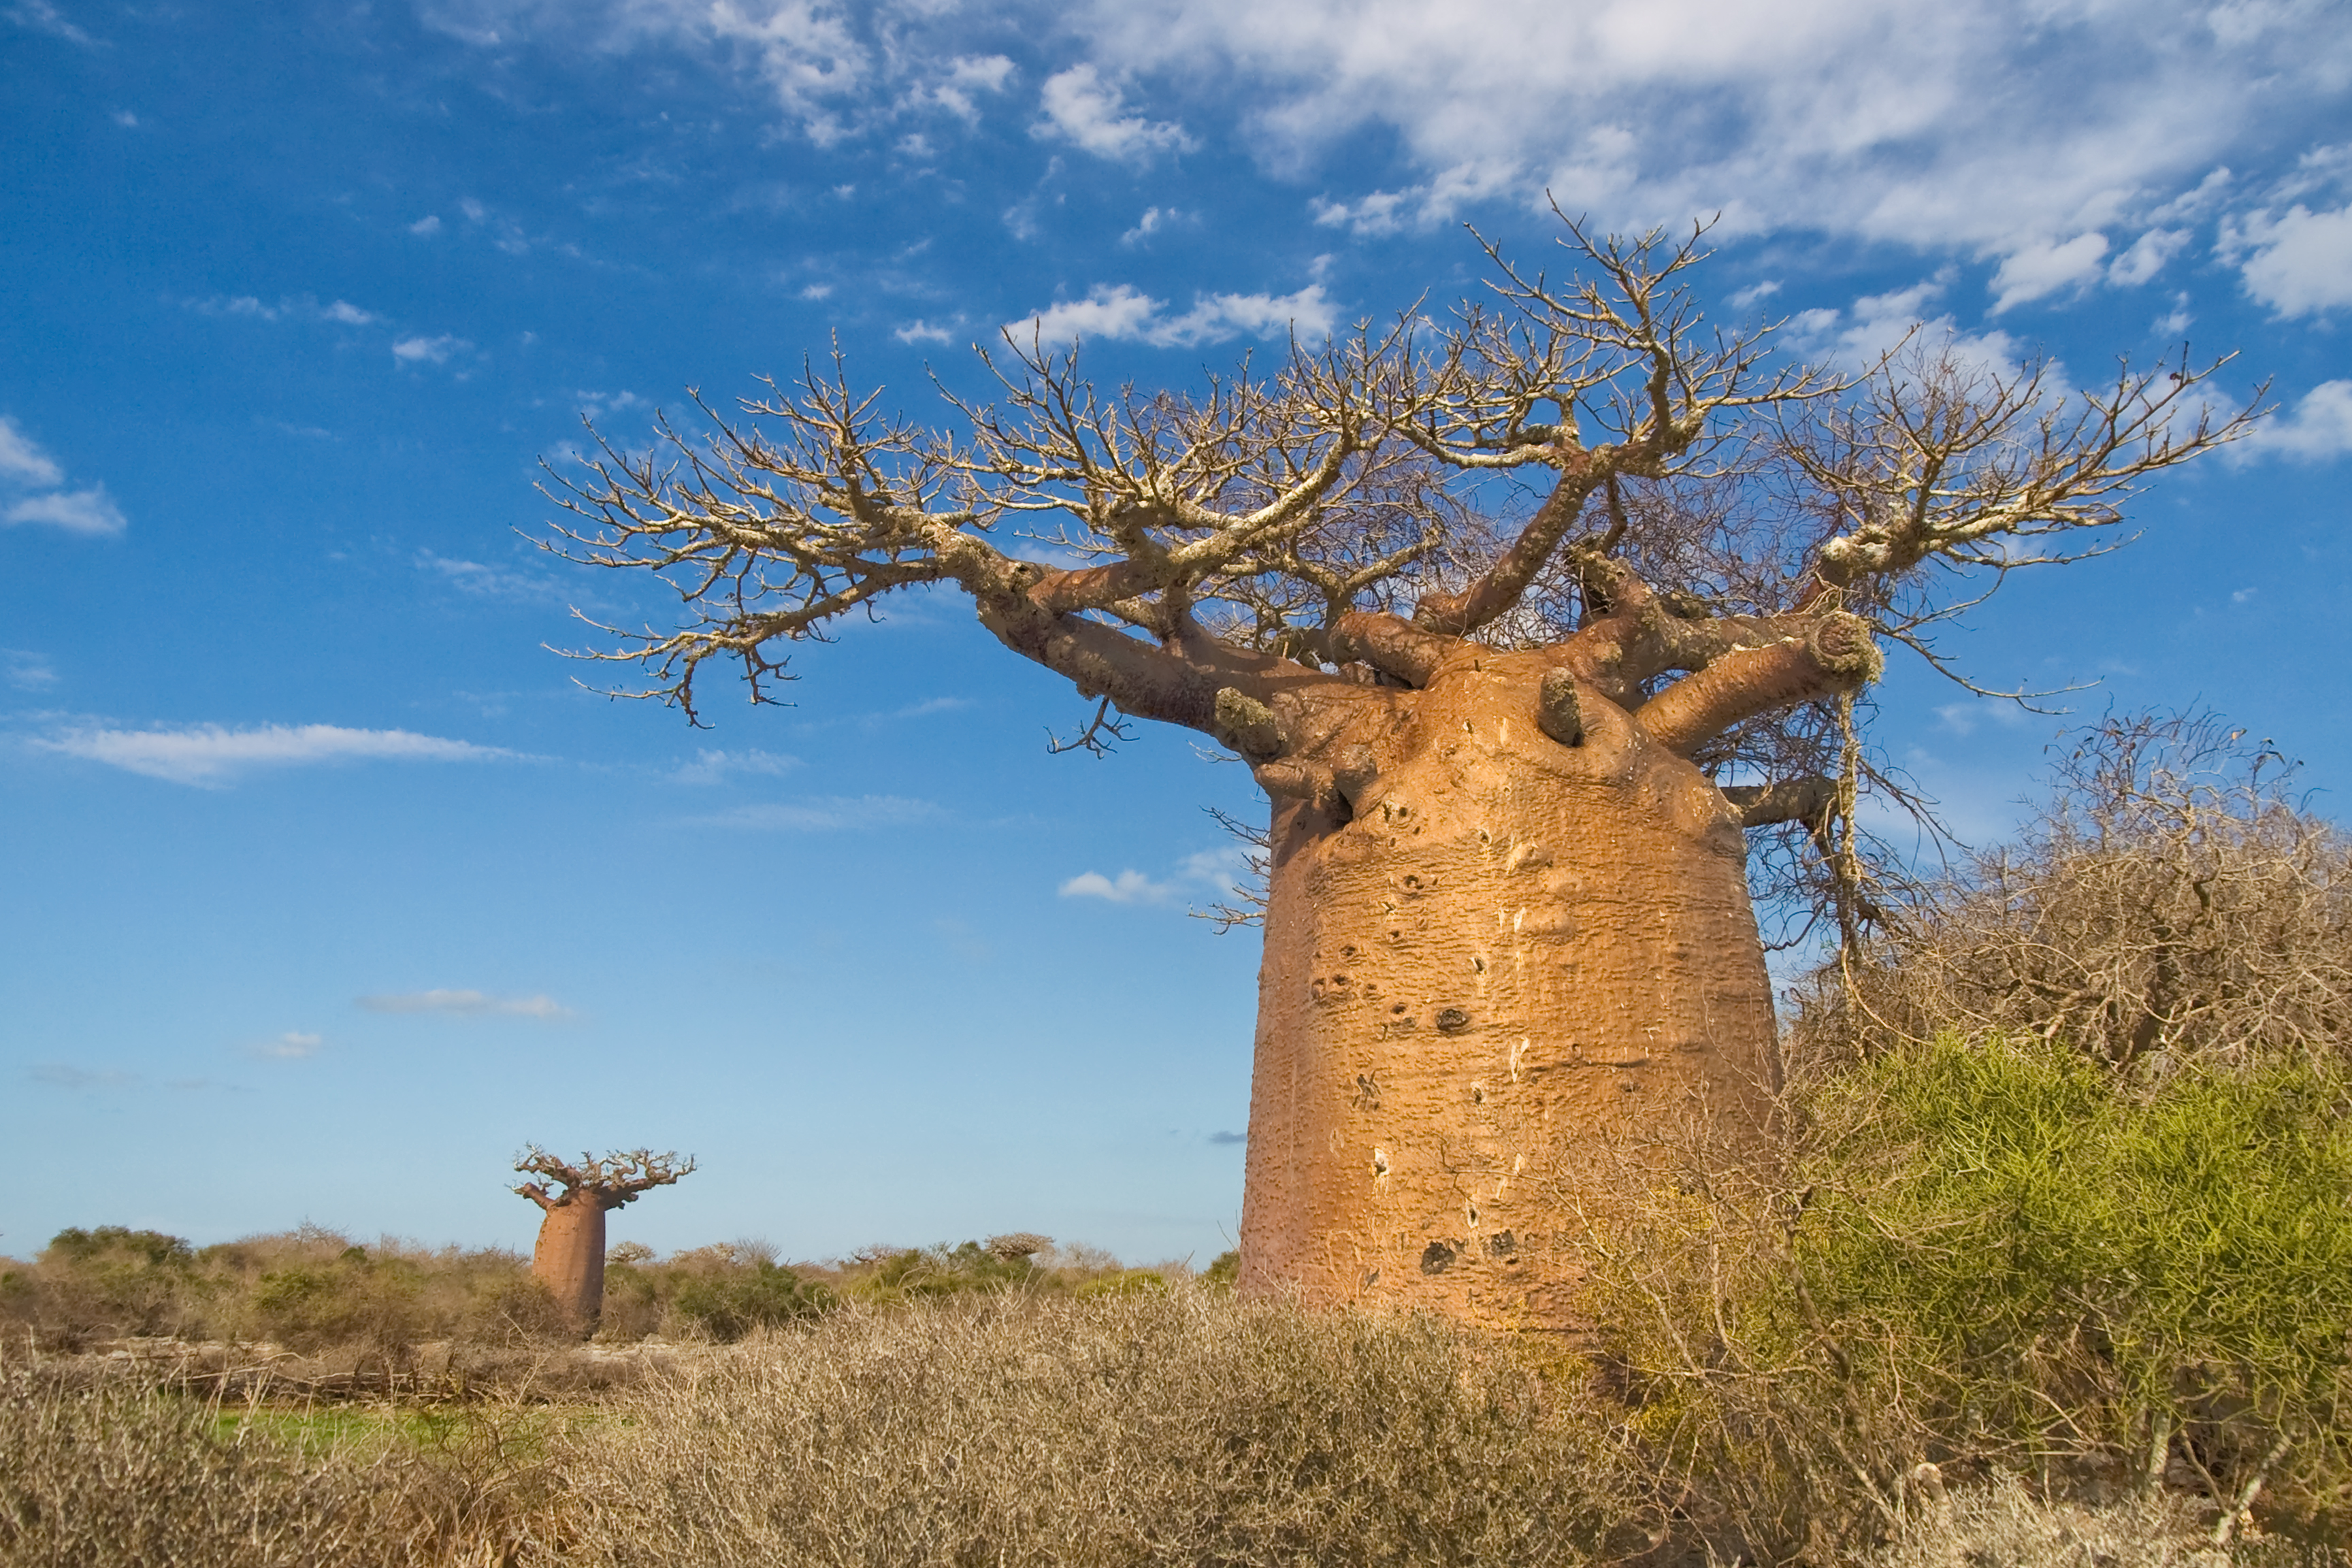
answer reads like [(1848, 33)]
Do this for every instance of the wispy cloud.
[(1119, 312), (90, 511), (22, 459), (466, 1004), (212, 755), (489, 582), (24, 464), (426, 226), (294, 1045), (40, 16), (290, 308), (921, 332), (827, 815), (27, 671), (64, 1075), (710, 767)]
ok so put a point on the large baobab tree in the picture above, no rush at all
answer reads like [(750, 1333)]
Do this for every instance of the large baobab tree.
[(1525, 622), (569, 1258)]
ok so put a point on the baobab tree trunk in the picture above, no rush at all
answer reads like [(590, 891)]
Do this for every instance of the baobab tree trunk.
[(569, 1260), (1490, 978)]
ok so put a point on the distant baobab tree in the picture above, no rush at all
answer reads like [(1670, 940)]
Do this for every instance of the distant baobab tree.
[(1541, 627), (569, 1258)]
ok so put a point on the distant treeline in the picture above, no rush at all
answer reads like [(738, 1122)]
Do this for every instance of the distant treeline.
[(312, 1290)]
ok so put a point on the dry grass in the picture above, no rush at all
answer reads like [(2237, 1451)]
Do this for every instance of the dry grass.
[(1153, 1427), (1159, 1426)]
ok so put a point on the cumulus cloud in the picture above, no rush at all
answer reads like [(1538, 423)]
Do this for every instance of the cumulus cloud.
[(423, 350), (2000, 129), (1129, 887), (1120, 312), (211, 755), (1217, 871), (2044, 267), (25, 466), (466, 1004), (2318, 428), (1083, 108), (2298, 262), (2146, 255)]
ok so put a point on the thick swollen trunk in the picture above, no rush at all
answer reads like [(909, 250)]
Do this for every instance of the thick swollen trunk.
[(1498, 986), (569, 1260)]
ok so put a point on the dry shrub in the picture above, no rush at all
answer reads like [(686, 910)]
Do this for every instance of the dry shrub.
[(2172, 902), (1173, 1425), (114, 1473)]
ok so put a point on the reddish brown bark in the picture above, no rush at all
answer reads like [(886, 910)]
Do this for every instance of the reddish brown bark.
[(1513, 963), (569, 1260)]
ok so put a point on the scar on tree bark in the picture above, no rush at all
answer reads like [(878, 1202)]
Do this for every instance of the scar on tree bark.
[(1549, 629), (569, 1258)]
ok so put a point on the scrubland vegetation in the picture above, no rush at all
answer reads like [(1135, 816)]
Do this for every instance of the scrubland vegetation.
[(2063, 1278)]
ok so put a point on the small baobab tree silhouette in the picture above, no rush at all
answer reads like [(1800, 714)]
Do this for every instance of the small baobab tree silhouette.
[(570, 1255)]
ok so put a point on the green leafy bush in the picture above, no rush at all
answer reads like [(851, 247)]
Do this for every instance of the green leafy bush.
[(2000, 1255), (725, 1306)]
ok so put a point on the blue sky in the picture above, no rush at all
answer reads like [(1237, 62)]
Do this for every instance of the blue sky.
[(326, 888)]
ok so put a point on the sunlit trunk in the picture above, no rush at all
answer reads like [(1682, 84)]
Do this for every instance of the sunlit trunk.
[(1489, 999), (569, 1260)]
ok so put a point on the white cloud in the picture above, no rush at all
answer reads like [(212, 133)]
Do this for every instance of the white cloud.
[(2044, 267), (27, 671), (1153, 220), (1129, 887), (2320, 427), (438, 350), (967, 75), (428, 226), (1422, 207), (212, 755), (2146, 255), (710, 767), (22, 459), (920, 331), (90, 511), (349, 314), (816, 292), (836, 813), (1082, 108), (2301, 261), (465, 1004), (294, 1045), (1217, 871), (1120, 312), (1987, 129)]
